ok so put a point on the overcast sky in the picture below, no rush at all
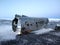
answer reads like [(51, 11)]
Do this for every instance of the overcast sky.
[(36, 8)]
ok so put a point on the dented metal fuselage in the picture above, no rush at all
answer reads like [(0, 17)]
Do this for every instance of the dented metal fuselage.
[(29, 24)]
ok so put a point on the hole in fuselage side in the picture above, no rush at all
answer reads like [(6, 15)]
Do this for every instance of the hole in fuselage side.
[(14, 24)]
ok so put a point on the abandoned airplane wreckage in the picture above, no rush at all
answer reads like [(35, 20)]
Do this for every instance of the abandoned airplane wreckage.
[(28, 24)]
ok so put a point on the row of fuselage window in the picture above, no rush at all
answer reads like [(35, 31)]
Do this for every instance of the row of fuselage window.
[(41, 22)]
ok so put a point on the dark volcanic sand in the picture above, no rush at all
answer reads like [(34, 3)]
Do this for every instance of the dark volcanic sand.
[(33, 39)]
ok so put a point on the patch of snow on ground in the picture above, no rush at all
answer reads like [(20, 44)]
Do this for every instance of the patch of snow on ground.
[(44, 30), (6, 33)]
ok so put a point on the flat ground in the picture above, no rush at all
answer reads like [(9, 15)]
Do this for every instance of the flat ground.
[(50, 38)]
